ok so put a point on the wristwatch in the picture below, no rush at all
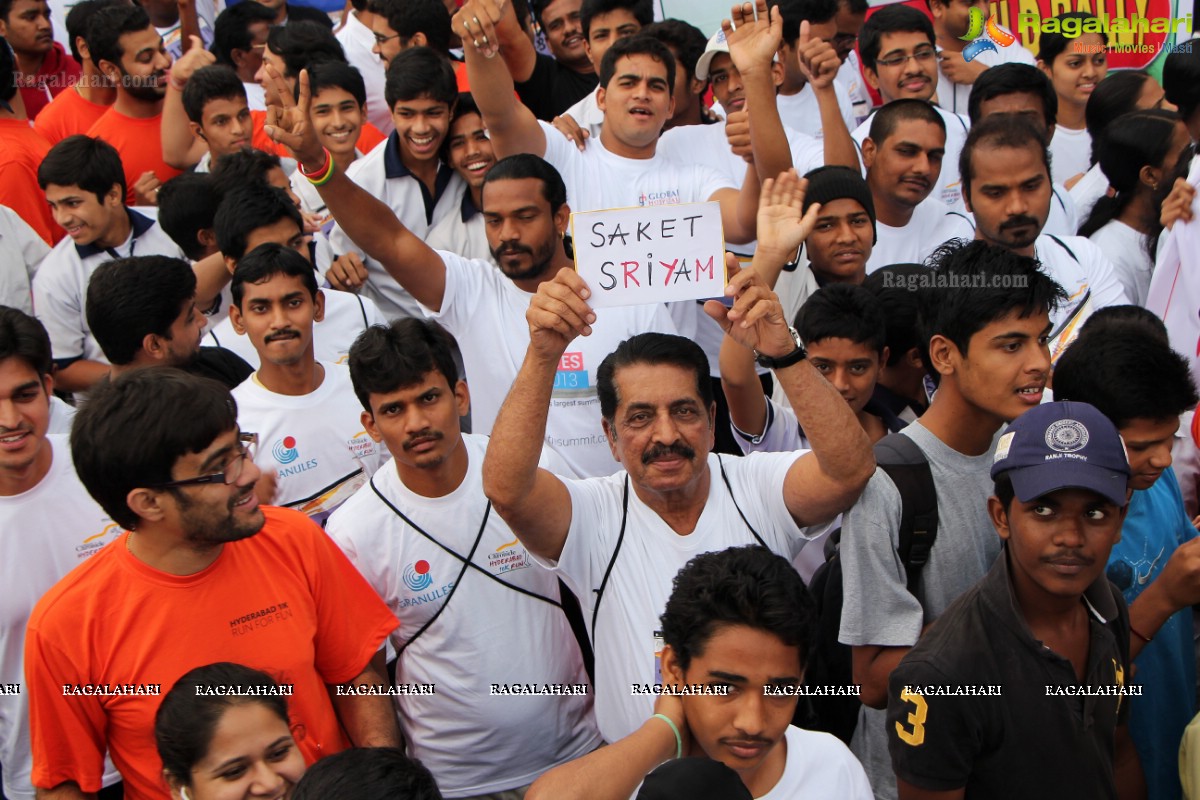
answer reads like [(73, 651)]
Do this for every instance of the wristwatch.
[(794, 357)]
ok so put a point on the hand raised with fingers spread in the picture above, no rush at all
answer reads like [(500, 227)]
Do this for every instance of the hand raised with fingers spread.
[(476, 21), (558, 313), (756, 320), (753, 35), (288, 123), (782, 226), (818, 60)]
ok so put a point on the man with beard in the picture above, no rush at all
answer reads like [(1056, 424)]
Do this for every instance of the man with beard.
[(303, 409), (205, 575), (483, 305), (499, 617), (130, 53), (1005, 168)]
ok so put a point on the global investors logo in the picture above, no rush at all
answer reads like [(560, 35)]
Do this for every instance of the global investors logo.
[(284, 450), (417, 577), (991, 32)]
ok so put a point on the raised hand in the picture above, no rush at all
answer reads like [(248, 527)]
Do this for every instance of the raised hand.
[(756, 320), (187, 64), (753, 35), (288, 123), (818, 60), (558, 313), (475, 22), (781, 225), (737, 133)]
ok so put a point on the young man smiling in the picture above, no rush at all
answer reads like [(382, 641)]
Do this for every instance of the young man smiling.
[(1043, 625), (468, 150), (738, 623)]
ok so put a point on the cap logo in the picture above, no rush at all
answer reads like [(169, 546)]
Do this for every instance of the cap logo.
[(720, 37), (1066, 436)]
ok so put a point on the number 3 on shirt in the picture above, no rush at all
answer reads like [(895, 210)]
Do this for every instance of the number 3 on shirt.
[(916, 719)]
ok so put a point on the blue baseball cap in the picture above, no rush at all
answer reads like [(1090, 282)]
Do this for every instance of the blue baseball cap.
[(1063, 445)]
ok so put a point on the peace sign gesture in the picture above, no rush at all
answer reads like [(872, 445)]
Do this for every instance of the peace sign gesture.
[(288, 123)]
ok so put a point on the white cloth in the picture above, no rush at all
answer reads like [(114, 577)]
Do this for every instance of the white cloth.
[(468, 239), (851, 78), (314, 443), (485, 312), (955, 96), (932, 223), (624, 636), (1175, 287), (949, 184), (1126, 249), (1063, 219), (60, 286), (358, 40), (488, 634), (1087, 190), (819, 765), (346, 316), (48, 531), (256, 96), (780, 433), (61, 414), (1089, 279), (21, 251), (802, 112), (404, 195), (587, 114), (1070, 153)]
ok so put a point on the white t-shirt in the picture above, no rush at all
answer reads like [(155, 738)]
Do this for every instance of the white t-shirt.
[(819, 766), (625, 633), (61, 414), (1063, 219), (1089, 279), (315, 443), (802, 112), (382, 174), (48, 531), (485, 312), (780, 433), (587, 114), (955, 96), (1087, 190), (1126, 249), (346, 316), (466, 237), (1070, 153), (21, 251), (256, 96), (60, 286), (851, 78), (931, 224), (949, 185), (357, 40), (489, 633)]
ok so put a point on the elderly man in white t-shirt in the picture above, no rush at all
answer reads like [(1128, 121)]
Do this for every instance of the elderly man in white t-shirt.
[(618, 541)]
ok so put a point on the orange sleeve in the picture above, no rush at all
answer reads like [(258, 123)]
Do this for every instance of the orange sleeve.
[(259, 139), (368, 137), (19, 191), (66, 733), (460, 75), (352, 621)]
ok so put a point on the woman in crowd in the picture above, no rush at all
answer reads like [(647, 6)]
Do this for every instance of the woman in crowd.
[(1075, 65)]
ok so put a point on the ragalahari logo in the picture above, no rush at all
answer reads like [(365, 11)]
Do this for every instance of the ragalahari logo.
[(995, 35)]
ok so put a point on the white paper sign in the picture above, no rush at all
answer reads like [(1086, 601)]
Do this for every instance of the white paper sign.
[(655, 254)]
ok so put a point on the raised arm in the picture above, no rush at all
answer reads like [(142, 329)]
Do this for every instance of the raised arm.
[(825, 482), (181, 149), (515, 48), (820, 63), (511, 126), (367, 221), (753, 36), (534, 502)]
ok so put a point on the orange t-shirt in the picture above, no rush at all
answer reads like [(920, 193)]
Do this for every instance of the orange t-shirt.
[(21, 151), (368, 137), (68, 114), (139, 141), (285, 601)]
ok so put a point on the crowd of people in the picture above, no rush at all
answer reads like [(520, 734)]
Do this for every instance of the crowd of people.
[(325, 474)]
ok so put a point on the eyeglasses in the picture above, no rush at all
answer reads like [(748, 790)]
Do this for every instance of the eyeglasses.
[(247, 446), (381, 40), (920, 56)]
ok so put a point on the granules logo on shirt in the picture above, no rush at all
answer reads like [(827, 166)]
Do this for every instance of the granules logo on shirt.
[(669, 197), (508, 557), (284, 450), (262, 618), (417, 576)]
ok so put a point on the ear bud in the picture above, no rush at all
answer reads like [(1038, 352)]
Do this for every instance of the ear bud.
[(185, 794)]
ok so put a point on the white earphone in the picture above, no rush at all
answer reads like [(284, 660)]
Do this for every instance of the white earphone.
[(185, 794)]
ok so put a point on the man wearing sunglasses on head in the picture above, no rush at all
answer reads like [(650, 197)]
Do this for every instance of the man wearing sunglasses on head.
[(204, 575)]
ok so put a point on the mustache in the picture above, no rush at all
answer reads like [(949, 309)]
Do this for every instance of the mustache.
[(512, 249), (1018, 222), (287, 333), (422, 436), (674, 449)]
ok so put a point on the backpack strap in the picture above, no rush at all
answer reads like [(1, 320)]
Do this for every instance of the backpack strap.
[(613, 560), (733, 498), (906, 464)]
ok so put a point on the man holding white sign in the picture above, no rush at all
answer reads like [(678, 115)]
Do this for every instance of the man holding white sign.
[(483, 304), (621, 539)]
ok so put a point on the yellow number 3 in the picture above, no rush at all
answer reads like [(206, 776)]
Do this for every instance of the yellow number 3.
[(916, 718)]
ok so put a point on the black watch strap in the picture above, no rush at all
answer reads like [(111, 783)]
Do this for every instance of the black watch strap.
[(780, 362)]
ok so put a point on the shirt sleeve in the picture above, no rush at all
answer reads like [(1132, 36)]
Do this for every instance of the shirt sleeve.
[(933, 740), (59, 306), (19, 190), (780, 434), (1102, 278), (460, 298), (595, 524), (757, 482), (67, 737), (877, 608), (560, 151), (352, 622)]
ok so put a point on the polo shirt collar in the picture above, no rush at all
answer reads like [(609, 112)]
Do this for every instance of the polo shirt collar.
[(468, 206), (393, 167), (140, 224)]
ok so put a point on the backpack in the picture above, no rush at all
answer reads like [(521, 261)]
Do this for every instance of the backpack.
[(829, 661)]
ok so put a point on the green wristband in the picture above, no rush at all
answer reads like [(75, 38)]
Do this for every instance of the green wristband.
[(674, 730)]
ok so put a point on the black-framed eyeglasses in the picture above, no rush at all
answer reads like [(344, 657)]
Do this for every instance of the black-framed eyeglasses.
[(229, 474), (922, 55), (382, 40)]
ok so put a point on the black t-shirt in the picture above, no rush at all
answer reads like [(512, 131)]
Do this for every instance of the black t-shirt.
[(553, 88), (298, 13), (1040, 738)]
